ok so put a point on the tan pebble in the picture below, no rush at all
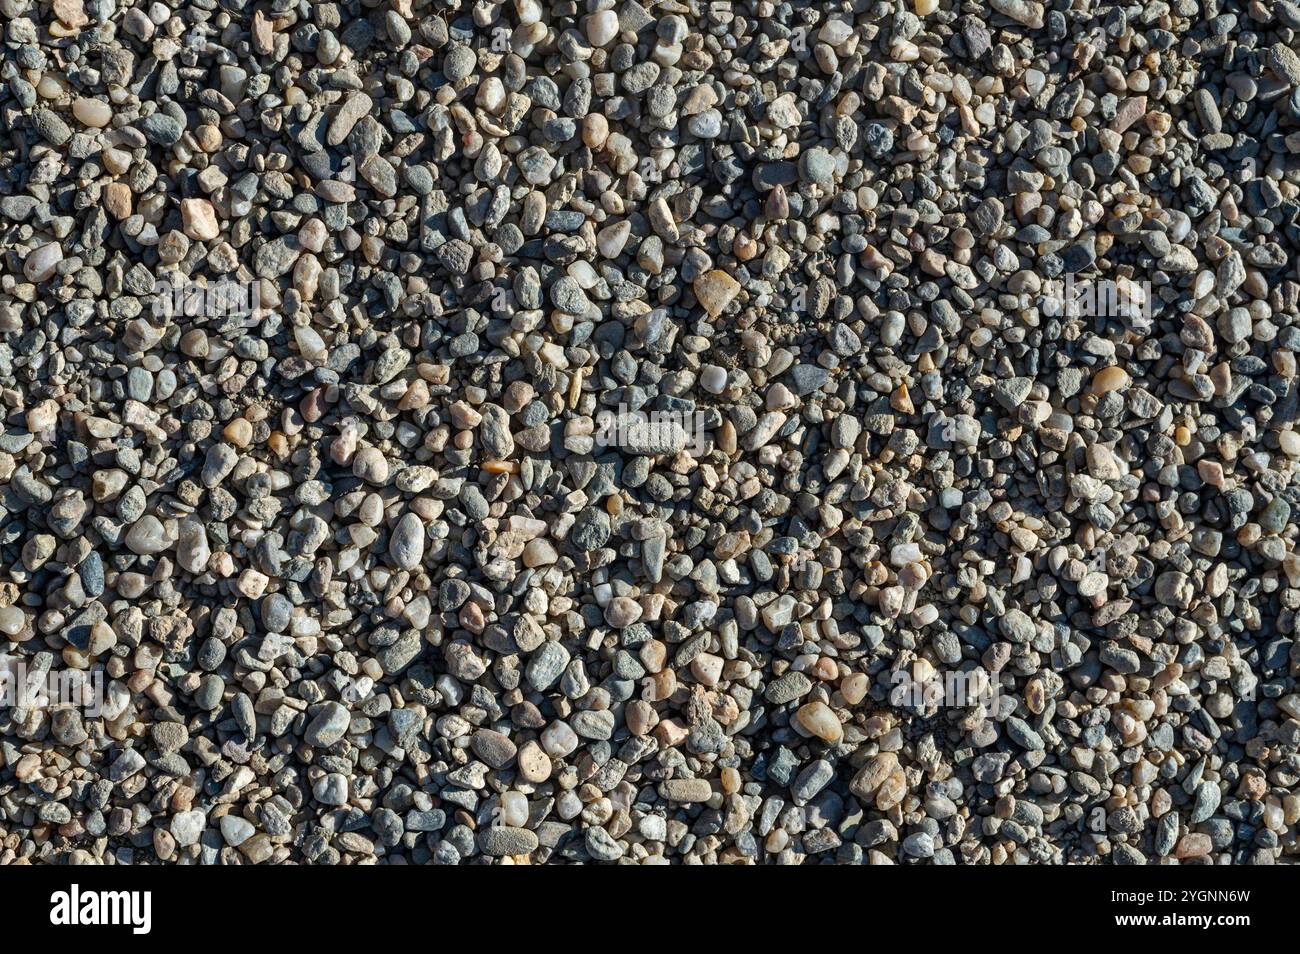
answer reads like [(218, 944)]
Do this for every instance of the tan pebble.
[(1113, 378), (653, 654), (726, 437), (901, 401), (686, 789), (730, 780), (641, 717), (92, 112), (1193, 845), (416, 396), (872, 775), (707, 668), (74, 658), (208, 137), (818, 719), (1035, 696), (164, 845), (71, 13), (612, 239), (826, 669), (117, 161), (199, 220), (715, 290), (313, 235), (622, 612), (1290, 809), (471, 618), (332, 190), (252, 583), (306, 276), (263, 34), (1253, 786), (670, 733), (1221, 377), (257, 849), (102, 639), (892, 791), (854, 687), (534, 764), (660, 686), (595, 130), (539, 553), (42, 262), (238, 432), (43, 416), (371, 465)]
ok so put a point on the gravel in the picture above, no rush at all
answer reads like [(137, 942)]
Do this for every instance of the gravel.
[(640, 433)]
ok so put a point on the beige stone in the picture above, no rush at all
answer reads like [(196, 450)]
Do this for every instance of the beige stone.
[(1110, 379), (71, 13), (715, 290), (199, 220), (92, 112), (818, 719)]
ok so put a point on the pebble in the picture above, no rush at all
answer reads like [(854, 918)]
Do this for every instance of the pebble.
[(500, 841), (686, 790), (602, 28), (715, 291), (41, 262), (406, 547), (92, 112), (329, 726), (187, 827)]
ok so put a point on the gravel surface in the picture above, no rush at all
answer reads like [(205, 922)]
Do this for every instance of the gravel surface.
[(649, 432)]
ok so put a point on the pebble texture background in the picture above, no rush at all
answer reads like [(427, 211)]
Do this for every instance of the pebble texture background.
[(363, 583)]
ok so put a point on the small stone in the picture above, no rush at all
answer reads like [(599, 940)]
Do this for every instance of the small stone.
[(40, 264), (329, 725), (147, 536), (818, 719), (602, 27), (686, 790), (715, 290), (818, 167), (94, 113), (236, 830), (406, 546), (1109, 379), (188, 827), (499, 841), (199, 220)]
